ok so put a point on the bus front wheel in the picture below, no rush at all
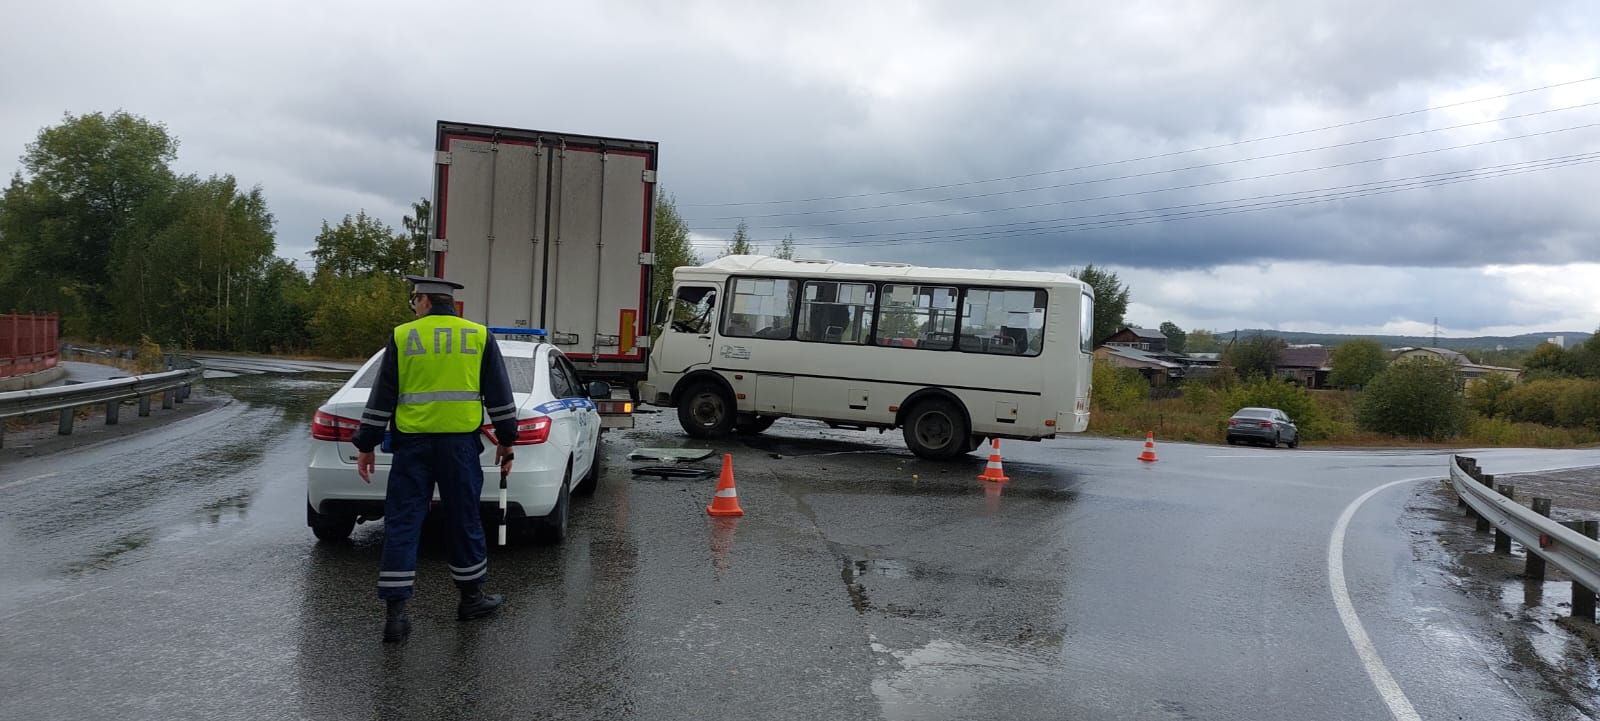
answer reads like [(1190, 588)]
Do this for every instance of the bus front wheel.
[(706, 412), (936, 429)]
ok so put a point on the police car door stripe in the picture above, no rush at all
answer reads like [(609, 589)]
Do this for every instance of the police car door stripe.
[(433, 396)]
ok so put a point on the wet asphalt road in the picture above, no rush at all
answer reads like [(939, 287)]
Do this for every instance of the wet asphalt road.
[(170, 575)]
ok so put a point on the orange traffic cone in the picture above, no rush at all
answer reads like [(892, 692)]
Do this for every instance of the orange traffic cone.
[(726, 502), (1149, 455), (993, 472)]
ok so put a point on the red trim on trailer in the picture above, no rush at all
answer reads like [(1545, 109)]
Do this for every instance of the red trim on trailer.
[(548, 143), (444, 202)]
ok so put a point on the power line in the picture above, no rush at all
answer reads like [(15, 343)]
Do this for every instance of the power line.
[(1336, 126), (1150, 173), (1216, 212), (1190, 186), (1042, 223)]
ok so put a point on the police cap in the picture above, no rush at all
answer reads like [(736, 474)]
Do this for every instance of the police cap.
[(423, 285)]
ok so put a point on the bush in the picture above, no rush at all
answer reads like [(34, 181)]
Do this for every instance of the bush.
[(1309, 417), (1579, 407), (1484, 394), (1415, 399), (1117, 389), (1535, 402)]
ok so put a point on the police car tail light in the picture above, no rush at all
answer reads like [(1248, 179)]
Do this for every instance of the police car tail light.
[(329, 427), (532, 431)]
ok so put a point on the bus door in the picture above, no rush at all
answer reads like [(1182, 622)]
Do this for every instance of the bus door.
[(686, 337)]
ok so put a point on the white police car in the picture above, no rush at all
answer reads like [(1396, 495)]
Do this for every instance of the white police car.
[(557, 447)]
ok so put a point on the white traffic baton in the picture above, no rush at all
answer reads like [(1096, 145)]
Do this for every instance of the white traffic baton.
[(503, 474)]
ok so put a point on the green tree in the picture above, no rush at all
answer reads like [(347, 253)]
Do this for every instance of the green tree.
[(1484, 394), (1356, 362), (1550, 358), (1416, 399), (283, 311), (786, 248), (417, 228), (82, 183), (670, 243), (1201, 340), (740, 244), (1176, 338), (1110, 300), (1255, 357), (353, 316), (362, 246), (190, 267)]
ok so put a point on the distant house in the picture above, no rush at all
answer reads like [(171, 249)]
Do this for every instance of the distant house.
[(1469, 371), (1145, 339), (1307, 366), (1158, 368)]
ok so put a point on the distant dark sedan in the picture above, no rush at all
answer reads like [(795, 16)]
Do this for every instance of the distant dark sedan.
[(1263, 425)]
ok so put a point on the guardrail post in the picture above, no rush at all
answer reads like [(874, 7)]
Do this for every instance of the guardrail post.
[(166, 399), (1534, 568), (1583, 596), (144, 405), (65, 428), (1483, 523), (183, 393), (1502, 540), (113, 407)]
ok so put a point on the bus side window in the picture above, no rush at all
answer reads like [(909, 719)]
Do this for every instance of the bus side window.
[(1003, 321)]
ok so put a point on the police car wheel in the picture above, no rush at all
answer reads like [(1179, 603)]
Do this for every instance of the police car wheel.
[(591, 480), (551, 528), (329, 528)]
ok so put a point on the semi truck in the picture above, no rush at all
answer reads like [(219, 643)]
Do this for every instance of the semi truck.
[(550, 232)]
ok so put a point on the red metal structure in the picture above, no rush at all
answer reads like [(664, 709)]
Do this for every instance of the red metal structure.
[(27, 343)]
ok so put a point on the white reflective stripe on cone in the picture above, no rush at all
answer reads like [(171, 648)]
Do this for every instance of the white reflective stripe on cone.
[(728, 493)]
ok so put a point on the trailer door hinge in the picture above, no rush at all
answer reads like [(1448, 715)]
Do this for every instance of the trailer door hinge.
[(647, 259), (649, 176), (441, 157), (439, 245)]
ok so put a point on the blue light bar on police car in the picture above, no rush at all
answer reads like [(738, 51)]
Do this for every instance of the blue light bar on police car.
[(536, 332)]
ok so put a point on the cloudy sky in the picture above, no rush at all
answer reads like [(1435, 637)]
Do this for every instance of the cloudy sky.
[(1350, 166)]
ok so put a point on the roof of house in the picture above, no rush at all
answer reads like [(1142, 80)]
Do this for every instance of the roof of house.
[(1141, 356), (1303, 358), (1150, 333), (1444, 354)]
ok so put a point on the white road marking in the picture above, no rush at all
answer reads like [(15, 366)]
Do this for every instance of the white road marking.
[(1399, 706), (29, 479)]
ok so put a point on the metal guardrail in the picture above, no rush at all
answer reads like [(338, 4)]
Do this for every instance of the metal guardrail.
[(174, 386), (1574, 553)]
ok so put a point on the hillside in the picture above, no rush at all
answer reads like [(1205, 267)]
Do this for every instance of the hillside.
[(1526, 341)]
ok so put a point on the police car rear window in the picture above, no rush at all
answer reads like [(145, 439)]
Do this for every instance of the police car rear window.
[(521, 371)]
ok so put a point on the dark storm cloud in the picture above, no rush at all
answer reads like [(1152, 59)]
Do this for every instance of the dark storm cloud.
[(331, 109)]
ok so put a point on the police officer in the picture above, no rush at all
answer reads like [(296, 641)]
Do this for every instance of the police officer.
[(437, 376)]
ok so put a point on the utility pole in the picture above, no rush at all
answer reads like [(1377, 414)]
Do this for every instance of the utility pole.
[(1436, 331)]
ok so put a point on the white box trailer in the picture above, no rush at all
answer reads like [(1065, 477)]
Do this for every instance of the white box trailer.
[(551, 231)]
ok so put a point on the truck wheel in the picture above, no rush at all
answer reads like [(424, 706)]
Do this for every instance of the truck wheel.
[(329, 528), (752, 424), (937, 430), (705, 411), (551, 528)]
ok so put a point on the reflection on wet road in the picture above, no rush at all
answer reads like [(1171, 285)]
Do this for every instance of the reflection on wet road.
[(170, 575)]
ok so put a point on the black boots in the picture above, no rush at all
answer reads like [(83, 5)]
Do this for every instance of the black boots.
[(474, 604), (396, 626), (477, 604)]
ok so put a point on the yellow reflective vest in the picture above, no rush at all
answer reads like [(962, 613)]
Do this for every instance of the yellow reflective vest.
[(439, 363)]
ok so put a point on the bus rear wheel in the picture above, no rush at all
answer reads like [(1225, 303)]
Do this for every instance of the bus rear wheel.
[(705, 411), (936, 429), (751, 424)]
